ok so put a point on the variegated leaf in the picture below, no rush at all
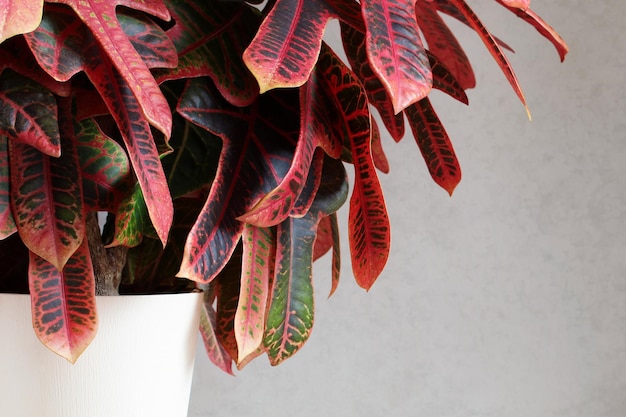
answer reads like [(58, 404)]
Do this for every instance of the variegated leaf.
[(7, 224), (542, 27), (395, 51), (64, 303), (368, 222), (354, 46), (29, 113), (101, 18), (327, 237), (259, 249), (104, 166), (46, 195), (493, 47), (216, 352), (444, 80), (120, 100), (285, 48), (210, 37), (258, 145), (443, 44), (291, 310), (435, 145), (275, 206)]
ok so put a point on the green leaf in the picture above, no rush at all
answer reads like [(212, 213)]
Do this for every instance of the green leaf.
[(64, 303), (104, 166)]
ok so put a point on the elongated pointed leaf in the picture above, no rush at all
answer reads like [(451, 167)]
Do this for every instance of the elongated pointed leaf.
[(286, 46), (369, 229), (492, 45), (29, 113), (19, 16), (121, 102), (378, 153), (64, 303), (255, 157), (443, 44), (291, 310), (46, 195), (14, 54), (521, 4), (444, 80), (395, 51), (7, 224), (274, 207), (216, 352), (102, 21), (104, 166), (328, 238), (311, 186), (227, 289), (290, 315), (434, 143), (259, 248), (210, 37), (354, 46), (542, 27)]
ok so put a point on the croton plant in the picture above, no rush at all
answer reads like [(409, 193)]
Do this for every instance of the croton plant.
[(215, 135)]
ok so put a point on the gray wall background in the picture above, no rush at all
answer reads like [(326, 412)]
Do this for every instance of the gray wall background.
[(508, 299)]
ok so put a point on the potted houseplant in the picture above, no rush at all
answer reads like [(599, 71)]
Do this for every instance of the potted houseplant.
[(214, 135)]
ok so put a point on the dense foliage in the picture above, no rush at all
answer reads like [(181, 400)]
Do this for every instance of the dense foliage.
[(215, 134)]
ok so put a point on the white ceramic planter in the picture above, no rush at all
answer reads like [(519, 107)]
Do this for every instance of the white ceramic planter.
[(140, 363)]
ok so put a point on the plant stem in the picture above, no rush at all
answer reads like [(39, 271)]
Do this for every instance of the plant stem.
[(108, 263)]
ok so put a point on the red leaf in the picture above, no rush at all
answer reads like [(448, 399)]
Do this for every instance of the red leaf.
[(257, 150), (64, 303), (327, 237), (46, 196), (29, 113), (7, 224), (72, 38), (493, 48), (216, 352), (101, 18), (275, 206), (354, 46), (395, 51), (444, 81), (542, 27), (369, 229), (434, 143), (443, 44), (521, 4), (378, 154), (287, 43)]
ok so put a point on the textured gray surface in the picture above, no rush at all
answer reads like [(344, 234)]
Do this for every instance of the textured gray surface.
[(508, 299)]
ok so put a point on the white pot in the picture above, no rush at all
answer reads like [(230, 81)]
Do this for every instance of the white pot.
[(140, 363)]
